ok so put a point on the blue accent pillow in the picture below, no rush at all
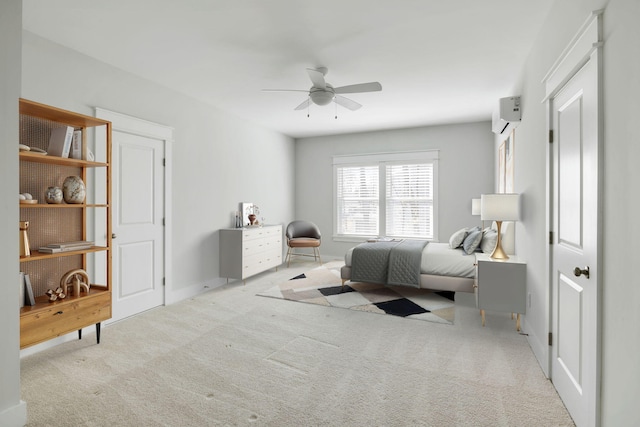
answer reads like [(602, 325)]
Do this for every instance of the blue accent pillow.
[(472, 241)]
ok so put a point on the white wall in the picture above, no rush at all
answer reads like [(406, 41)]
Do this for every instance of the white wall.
[(621, 293), (466, 168), (13, 412), (218, 159)]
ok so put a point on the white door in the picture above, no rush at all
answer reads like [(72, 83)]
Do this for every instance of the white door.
[(138, 212), (575, 324)]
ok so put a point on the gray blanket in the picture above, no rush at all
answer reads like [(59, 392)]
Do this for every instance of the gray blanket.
[(388, 263)]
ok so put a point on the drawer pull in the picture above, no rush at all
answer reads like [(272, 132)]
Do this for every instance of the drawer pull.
[(59, 312)]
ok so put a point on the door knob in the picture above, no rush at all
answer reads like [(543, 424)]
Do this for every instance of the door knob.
[(579, 271), (113, 235)]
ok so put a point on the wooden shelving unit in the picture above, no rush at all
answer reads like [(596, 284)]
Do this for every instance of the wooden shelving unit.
[(49, 223)]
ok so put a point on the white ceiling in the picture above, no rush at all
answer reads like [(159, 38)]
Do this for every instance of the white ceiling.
[(445, 61)]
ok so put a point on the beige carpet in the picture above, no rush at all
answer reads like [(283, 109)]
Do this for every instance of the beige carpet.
[(231, 358), (322, 285)]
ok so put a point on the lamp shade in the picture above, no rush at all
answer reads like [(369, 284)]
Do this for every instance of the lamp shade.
[(475, 206), (500, 207)]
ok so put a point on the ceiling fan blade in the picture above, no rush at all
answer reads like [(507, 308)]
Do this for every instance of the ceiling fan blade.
[(317, 77), (304, 105), (284, 90), (347, 103), (359, 88)]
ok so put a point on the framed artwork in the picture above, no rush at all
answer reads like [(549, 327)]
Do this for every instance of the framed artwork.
[(502, 167), (505, 165), (249, 209)]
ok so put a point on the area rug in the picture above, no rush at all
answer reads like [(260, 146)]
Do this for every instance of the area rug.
[(323, 286)]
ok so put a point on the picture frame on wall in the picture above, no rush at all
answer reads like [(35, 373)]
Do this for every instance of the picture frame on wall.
[(502, 167), (506, 165)]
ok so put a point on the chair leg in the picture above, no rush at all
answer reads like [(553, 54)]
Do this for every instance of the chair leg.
[(288, 258)]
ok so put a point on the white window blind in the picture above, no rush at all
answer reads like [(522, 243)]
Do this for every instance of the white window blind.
[(357, 200), (409, 200), (393, 194)]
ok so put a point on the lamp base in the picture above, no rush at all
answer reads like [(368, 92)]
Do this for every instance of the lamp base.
[(499, 253)]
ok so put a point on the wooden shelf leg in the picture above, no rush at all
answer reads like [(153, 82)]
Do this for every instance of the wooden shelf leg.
[(518, 322), (482, 314)]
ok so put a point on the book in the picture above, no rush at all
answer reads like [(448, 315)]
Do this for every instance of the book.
[(22, 289), (60, 141), (29, 299), (48, 250), (70, 244), (76, 145)]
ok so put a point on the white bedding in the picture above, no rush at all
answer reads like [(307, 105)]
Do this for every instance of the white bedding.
[(440, 260)]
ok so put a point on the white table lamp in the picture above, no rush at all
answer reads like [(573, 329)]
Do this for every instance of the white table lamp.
[(498, 208)]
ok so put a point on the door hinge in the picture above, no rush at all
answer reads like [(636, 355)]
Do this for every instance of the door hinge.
[(164, 162), (163, 224), (164, 282), (550, 135), (551, 237), (550, 338)]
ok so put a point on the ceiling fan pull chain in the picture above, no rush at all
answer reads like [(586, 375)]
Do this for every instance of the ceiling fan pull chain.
[(308, 106), (336, 105)]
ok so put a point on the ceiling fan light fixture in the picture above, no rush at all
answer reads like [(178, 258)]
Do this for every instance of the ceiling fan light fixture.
[(322, 96)]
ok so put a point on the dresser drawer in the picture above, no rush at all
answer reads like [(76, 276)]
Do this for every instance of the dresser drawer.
[(262, 244), (261, 262), (272, 258), (253, 247), (63, 317)]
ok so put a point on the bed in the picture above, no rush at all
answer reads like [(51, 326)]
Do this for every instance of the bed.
[(441, 267)]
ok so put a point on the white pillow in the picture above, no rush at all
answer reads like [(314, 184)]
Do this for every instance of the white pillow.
[(456, 239), (489, 241)]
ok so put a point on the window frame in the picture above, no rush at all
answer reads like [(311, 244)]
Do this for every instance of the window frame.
[(382, 160)]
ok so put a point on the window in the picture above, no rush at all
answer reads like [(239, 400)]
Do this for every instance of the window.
[(386, 195)]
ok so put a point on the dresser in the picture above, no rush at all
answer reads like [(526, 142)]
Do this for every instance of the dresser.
[(501, 285), (245, 252)]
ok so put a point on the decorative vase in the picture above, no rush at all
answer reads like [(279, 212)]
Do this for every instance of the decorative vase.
[(53, 195), (73, 190)]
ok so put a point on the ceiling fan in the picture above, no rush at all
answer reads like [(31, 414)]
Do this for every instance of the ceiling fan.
[(322, 93)]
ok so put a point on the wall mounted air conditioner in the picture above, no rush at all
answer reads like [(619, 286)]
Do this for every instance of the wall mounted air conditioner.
[(507, 116)]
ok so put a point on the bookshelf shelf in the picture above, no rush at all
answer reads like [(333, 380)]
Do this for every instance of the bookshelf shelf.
[(63, 222)]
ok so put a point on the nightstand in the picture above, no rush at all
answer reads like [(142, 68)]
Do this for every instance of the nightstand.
[(501, 285)]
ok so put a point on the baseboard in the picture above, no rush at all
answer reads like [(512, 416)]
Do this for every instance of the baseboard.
[(178, 295), (15, 416), (71, 336), (540, 348)]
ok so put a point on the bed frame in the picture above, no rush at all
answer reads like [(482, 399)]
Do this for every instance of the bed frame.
[(448, 283)]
